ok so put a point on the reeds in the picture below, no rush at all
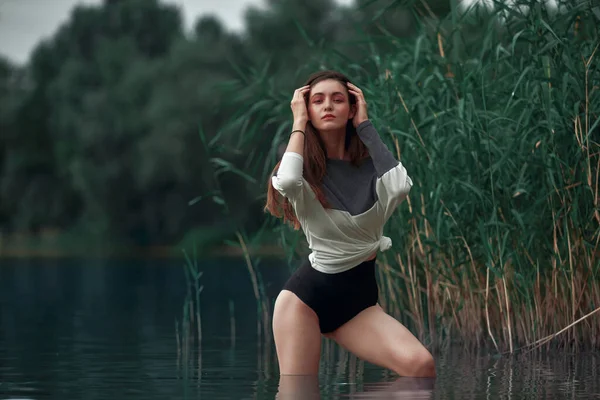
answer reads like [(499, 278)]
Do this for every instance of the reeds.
[(498, 242), (188, 332), (264, 316)]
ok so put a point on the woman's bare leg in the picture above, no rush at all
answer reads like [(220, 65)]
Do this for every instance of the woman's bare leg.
[(298, 387), (378, 338), (297, 336)]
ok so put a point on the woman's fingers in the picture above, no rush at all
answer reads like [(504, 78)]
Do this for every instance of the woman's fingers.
[(355, 87), (298, 103), (299, 93), (302, 89), (356, 91), (359, 96)]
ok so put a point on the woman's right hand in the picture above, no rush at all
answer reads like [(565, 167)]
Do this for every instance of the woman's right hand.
[(298, 104)]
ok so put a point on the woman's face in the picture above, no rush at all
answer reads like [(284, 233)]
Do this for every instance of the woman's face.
[(329, 106)]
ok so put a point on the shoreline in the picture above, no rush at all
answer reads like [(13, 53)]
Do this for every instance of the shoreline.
[(147, 252)]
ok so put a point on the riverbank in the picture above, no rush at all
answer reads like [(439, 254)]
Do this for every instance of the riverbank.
[(147, 252), (61, 246)]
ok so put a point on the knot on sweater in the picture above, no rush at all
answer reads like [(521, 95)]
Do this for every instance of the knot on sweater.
[(385, 243)]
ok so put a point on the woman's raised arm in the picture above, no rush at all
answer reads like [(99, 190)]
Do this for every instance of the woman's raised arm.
[(288, 179)]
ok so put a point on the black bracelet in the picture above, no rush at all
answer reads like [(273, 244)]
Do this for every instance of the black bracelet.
[(298, 130)]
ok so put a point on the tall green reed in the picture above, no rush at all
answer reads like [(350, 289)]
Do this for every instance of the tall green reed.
[(188, 331), (495, 116), (501, 237)]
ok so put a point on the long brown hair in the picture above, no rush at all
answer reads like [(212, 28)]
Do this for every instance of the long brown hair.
[(315, 157)]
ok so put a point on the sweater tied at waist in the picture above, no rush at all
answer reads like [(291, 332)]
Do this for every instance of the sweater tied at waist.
[(341, 256), (385, 243)]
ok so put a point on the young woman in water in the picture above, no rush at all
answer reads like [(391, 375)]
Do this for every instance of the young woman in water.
[(339, 183)]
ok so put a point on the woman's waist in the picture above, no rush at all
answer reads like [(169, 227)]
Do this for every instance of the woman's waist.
[(348, 269), (335, 260), (338, 246)]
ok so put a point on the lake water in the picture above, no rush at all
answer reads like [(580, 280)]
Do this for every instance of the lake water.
[(98, 329)]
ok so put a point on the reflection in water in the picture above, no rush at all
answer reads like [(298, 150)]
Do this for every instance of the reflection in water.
[(298, 387), (403, 387), (308, 387), (102, 329)]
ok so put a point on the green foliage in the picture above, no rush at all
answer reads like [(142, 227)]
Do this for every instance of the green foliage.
[(120, 120), (495, 116), (123, 127), (103, 123)]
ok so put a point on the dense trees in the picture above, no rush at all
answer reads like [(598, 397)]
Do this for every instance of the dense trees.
[(121, 119), (101, 130)]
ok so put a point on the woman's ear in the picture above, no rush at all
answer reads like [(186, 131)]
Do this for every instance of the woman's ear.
[(352, 111)]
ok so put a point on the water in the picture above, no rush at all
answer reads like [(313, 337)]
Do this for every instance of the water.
[(97, 329)]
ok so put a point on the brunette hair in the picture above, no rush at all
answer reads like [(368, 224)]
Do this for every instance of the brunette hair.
[(315, 157)]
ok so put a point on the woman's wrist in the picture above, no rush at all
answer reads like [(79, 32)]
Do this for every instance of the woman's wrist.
[(299, 124), (296, 138), (362, 124), (358, 122)]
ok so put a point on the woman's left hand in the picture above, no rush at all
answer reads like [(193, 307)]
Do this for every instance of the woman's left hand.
[(361, 105)]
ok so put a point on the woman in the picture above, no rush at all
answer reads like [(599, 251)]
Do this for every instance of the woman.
[(339, 182)]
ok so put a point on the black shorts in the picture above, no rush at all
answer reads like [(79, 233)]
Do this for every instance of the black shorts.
[(335, 298)]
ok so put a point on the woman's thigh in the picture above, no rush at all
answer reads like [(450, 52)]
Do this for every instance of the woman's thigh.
[(378, 338), (297, 336)]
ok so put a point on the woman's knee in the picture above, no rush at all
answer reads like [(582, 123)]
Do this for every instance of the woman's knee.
[(417, 364), (425, 365)]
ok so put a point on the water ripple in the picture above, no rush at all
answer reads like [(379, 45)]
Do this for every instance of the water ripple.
[(118, 340)]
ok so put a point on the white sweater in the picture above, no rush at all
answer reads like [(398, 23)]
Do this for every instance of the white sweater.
[(363, 199)]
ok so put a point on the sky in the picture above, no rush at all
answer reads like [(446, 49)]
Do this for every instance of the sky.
[(23, 23)]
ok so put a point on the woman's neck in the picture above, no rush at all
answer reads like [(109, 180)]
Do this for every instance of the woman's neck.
[(335, 143)]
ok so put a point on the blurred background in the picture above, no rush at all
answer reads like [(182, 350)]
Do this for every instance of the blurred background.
[(105, 105), (137, 138)]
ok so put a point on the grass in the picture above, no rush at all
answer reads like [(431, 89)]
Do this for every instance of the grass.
[(495, 116)]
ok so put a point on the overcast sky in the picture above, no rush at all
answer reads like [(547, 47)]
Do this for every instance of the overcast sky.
[(24, 22)]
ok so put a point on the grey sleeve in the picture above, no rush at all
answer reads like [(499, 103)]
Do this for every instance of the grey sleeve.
[(382, 157)]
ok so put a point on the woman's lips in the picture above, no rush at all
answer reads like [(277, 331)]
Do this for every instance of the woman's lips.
[(329, 116)]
